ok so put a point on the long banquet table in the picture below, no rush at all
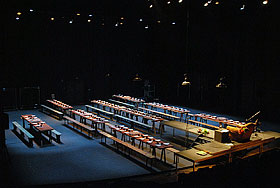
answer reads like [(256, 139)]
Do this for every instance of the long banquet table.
[(169, 109), (154, 143), (111, 106), (37, 124), (222, 121), (130, 99), (60, 105), (94, 119)]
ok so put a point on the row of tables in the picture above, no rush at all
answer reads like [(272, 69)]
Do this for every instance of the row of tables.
[(154, 143), (121, 110), (94, 119), (222, 121)]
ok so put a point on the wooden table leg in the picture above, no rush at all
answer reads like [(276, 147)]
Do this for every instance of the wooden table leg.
[(154, 151), (23, 123), (229, 157)]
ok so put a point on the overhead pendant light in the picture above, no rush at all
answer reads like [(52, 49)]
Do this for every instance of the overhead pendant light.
[(221, 83), (265, 2), (137, 78), (186, 82)]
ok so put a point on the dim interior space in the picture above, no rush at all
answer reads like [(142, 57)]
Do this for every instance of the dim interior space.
[(150, 93)]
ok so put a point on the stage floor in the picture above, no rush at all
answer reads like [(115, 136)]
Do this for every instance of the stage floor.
[(77, 159)]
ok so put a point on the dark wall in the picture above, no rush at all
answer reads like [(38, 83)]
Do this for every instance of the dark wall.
[(82, 61)]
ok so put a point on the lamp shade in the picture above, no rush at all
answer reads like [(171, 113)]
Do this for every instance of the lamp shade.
[(137, 78), (186, 82)]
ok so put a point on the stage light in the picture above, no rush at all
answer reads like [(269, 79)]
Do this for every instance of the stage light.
[(116, 24), (140, 20), (88, 21), (168, 2), (90, 15), (158, 21), (217, 2), (122, 18), (151, 6), (31, 10), (243, 7), (71, 21), (206, 4), (17, 18), (146, 27), (180, 1), (19, 13), (121, 23), (52, 19), (78, 14), (173, 23), (265, 2)]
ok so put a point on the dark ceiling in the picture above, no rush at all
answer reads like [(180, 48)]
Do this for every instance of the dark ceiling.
[(215, 41)]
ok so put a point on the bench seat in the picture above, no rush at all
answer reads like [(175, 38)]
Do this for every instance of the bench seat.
[(133, 122), (98, 111), (161, 114), (57, 135), (174, 151), (202, 124), (128, 146), (79, 126), (23, 132), (122, 103), (52, 111)]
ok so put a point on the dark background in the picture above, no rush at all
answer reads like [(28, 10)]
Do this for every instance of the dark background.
[(83, 61)]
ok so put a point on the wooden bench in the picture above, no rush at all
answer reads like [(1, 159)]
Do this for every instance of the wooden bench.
[(77, 125), (174, 151), (98, 111), (127, 146), (133, 122), (122, 103), (23, 132), (51, 111), (201, 123), (57, 135), (161, 114)]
